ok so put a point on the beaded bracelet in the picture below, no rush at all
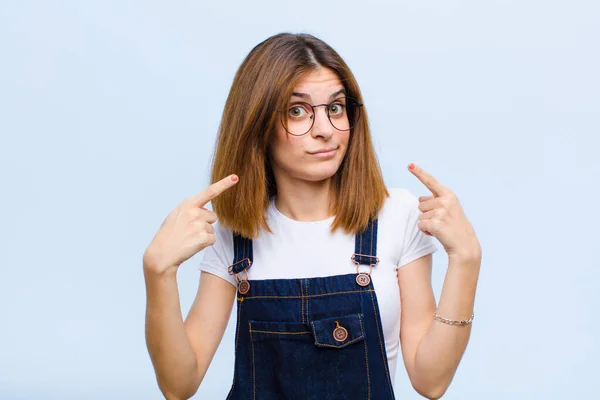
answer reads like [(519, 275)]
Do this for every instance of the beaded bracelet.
[(453, 322)]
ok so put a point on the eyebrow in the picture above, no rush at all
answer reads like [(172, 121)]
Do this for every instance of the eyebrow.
[(307, 96)]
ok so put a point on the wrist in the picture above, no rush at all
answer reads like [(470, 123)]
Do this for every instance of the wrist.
[(157, 281), (158, 270), (467, 255), (154, 265)]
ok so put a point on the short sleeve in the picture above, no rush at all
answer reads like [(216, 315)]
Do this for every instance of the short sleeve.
[(416, 243), (218, 257)]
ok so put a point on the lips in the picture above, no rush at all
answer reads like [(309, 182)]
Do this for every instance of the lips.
[(324, 151)]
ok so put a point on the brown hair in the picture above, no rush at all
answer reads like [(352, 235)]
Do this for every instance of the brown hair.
[(262, 85)]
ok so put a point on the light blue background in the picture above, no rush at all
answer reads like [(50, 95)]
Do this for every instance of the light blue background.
[(108, 115)]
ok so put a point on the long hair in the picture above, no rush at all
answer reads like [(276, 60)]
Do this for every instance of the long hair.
[(263, 85)]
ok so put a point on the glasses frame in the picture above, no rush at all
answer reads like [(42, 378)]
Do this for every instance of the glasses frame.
[(314, 113)]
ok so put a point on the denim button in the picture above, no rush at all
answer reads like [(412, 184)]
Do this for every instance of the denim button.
[(363, 279), (340, 334), (244, 287)]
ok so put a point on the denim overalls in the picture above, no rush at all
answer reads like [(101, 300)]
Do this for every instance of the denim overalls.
[(315, 338)]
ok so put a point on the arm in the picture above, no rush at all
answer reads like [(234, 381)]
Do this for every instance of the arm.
[(182, 351), (433, 350)]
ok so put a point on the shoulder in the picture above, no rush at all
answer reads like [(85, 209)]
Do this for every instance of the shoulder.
[(399, 227), (400, 211), (223, 240), (401, 201), (222, 230)]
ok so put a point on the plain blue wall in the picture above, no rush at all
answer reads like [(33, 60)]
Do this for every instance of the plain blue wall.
[(108, 114)]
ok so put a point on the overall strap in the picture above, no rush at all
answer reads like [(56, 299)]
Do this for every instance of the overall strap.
[(242, 260), (242, 254), (365, 248)]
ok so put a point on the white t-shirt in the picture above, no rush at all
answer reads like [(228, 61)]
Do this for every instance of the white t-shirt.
[(307, 249)]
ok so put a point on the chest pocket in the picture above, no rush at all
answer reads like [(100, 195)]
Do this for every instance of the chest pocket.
[(338, 332), (322, 359)]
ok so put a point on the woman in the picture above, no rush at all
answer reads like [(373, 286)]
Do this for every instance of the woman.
[(330, 270)]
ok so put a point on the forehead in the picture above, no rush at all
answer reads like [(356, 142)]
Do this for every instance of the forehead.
[(319, 83)]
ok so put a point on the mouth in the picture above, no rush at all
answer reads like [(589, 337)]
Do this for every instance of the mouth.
[(324, 152)]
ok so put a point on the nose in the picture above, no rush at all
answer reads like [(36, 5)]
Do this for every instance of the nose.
[(322, 126)]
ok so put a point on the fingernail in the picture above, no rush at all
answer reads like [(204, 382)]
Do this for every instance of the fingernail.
[(234, 178), (411, 166)]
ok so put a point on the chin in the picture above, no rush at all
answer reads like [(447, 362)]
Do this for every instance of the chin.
[(320, 172)]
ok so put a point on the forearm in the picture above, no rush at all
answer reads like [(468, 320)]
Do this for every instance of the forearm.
[(170, 350), (442, 347)]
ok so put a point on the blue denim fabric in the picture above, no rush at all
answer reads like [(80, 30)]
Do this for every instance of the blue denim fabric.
[(285, 347)]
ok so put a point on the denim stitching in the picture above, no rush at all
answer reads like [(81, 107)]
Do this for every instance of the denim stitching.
[(244, 254), (236, 245), (253, 361), (312, 295), (307, 302), (283, 333), (302, 293), (361, 243), (319, 344), (360, 247), (383, 353), (371, 239), (367, 365), (305, 299), (238, 256)]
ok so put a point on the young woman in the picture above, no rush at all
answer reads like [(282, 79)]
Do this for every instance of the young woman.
[(331, 271)]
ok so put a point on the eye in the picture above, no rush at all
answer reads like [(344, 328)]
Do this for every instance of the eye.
[(297, 111), (336, 109)]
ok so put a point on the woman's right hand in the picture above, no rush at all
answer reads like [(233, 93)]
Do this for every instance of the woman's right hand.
[(186, 230)]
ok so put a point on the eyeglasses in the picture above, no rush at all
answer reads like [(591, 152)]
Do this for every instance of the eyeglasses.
[(299, 118)]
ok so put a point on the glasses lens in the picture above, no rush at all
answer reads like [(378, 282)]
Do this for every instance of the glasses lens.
[(344, 113), (298, 118)]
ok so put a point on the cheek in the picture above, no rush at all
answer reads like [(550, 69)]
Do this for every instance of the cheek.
[(344, 141), (345, 138), (285, 146)]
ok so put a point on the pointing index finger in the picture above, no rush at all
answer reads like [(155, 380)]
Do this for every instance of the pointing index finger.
[(215, 190), (429, 181)]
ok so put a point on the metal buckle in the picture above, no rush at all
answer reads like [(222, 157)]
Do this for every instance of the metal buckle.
[(230, 269), (364, 278), (353, 258)]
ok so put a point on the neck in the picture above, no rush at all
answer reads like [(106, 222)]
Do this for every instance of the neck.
[(303, 200)]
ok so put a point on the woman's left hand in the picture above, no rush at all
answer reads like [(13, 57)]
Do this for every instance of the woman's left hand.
[(443, 218)]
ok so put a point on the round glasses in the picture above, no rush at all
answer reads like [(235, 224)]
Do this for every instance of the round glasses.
[(299, 118)]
